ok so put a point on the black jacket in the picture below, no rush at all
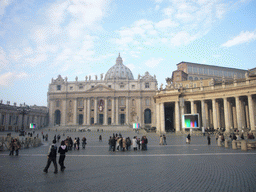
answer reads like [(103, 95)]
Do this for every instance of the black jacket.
[(63, 149)]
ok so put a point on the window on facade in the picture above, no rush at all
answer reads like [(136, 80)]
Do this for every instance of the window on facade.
[(133, 86), (121, 86), (205, 71), (146, 85), (201, 70), (189, 69), (196, 78), (122, 101), (133, 102), (92, 86), (58, 87), (109, 102), (194, 84), (92, 103), (147, 101), (109, 86), (195, 70), (81, 87), (109, 109), (57, 103), (122, 109), (80, 103), (190, 78), (70, 88), (70, 103)]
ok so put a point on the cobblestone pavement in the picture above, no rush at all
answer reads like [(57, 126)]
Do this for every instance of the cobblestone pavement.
[(174, 167)]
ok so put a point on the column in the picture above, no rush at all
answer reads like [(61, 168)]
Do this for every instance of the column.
[(177, 116), (75, 112), (64, 112), (226, 114), (117, 111), (238, 113), (218, 114), (251, 112), (85, 111), (158, 125), (162, 116), (113, 111), (203, 114), (192, 107), (51, 113), (139, 111), (127, 111), (95, 110), (105, 122), (214, 114), (88, 111)]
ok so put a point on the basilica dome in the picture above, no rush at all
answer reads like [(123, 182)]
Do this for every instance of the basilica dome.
[(119, 71)]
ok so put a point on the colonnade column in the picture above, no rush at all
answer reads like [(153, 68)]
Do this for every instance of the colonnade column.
[(192, 107), (238, 113), (105, 122), (226, 114), (95, 110), (177, 116), (158, 125), (162, 116), (214, 114), (75, 112), (117, 111), (85, 111), (88, 111), (203, 114), (207, 120), (251, 112), (127, 111)]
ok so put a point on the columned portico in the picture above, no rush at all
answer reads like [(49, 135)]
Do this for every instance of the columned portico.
[(214, 114), (238, 113), (88, 111), (113, 111), (177, 116), (117, 111), (251, 105), (162, 116), (75, 112), (95, 110), (127, 111), (85, 112)]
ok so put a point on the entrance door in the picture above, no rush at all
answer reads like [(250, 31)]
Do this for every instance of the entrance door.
[(57, 117), (101, 119), (122, 119), (109, 121), (80, 119)]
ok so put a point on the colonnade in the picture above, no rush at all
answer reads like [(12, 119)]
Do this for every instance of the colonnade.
[(227, 112)]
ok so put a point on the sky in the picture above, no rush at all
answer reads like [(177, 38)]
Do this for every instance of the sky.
[(41, 39)]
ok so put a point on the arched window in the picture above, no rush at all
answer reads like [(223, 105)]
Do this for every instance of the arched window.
[(147, 116), (196, 78), (190, 78)]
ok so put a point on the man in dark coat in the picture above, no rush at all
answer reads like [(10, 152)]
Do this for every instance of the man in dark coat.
[(62, 150), (52, 154)]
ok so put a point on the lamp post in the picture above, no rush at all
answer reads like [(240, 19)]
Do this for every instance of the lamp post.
[(23, 110)]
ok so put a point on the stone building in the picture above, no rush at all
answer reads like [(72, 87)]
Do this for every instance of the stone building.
[(116, 99), (226, 103), (11, 116), (196, 71)]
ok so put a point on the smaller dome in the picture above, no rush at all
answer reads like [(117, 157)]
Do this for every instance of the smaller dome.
[(119, 71)]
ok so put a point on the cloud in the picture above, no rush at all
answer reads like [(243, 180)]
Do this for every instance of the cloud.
[(3, 5), (7, 79), (3, 59), (153, 62), (34, 61), (243, 37)]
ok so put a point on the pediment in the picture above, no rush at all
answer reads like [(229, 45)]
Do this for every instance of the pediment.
[(100, 88)]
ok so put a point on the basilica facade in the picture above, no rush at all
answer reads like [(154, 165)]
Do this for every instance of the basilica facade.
[(114, 99)]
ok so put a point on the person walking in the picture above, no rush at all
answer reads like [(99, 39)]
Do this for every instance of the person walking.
[(164, 138), (11, 147), (161, 140), (110, 143), (52, 154), (78, 143), (62, 150), (100, 138), (139, 143), (83, 142), (188, 139), (17, 146), (75, 142), (209, 139)]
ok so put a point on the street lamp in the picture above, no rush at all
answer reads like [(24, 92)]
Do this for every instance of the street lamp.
[(25, 109)]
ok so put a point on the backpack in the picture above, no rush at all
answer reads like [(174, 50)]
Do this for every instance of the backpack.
[(53, 152)]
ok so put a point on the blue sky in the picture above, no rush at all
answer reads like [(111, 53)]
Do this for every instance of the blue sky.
[(41, 39)]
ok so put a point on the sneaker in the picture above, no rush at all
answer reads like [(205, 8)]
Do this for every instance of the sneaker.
[(46, 171), (55, 172)]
